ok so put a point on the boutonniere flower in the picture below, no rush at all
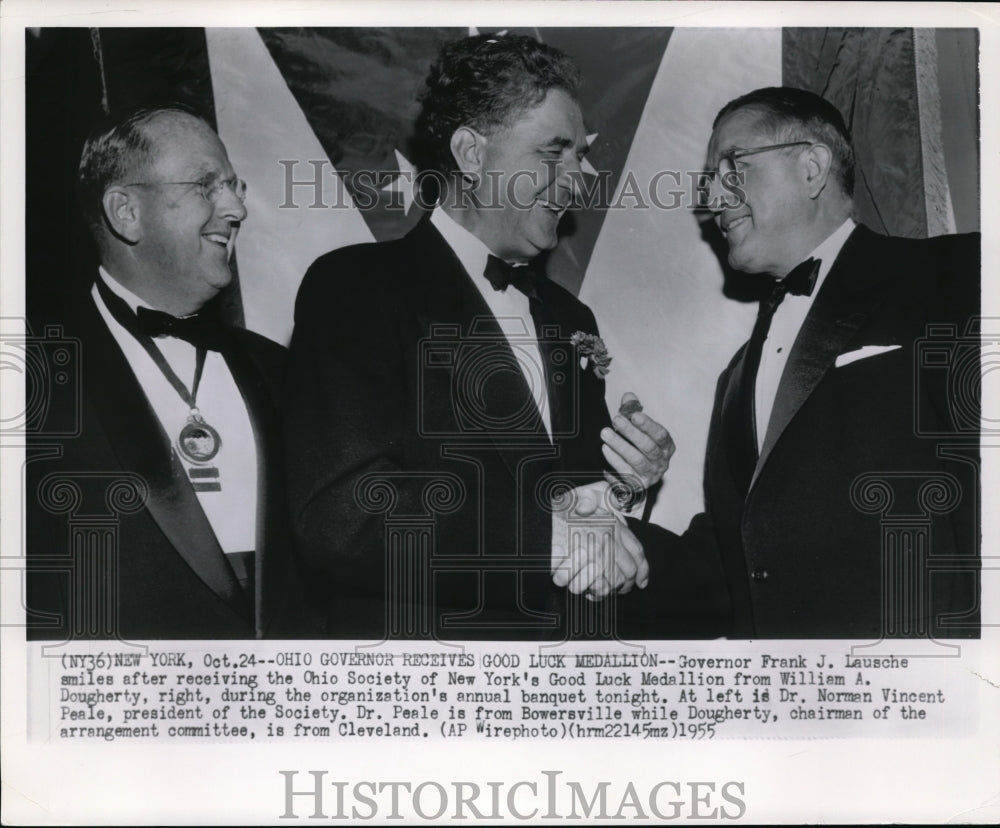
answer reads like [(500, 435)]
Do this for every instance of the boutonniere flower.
[(592, 351)]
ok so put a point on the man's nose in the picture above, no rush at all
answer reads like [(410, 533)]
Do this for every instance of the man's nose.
[(715, 191), (720, 196), (573, 164), (570, 175), (230, 206)]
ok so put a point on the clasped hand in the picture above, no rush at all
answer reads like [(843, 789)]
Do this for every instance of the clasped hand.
[(593, 551)]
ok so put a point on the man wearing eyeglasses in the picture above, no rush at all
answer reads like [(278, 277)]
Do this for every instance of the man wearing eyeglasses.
[(177, 441), (834, 511)]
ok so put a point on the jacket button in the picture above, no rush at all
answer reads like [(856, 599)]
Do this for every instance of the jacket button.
[(760, 575)]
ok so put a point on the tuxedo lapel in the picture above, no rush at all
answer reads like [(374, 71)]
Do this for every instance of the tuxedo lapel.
[(269, 574), (141, 446), (854, 287), (734, 427), (555, 349), (449, 297)]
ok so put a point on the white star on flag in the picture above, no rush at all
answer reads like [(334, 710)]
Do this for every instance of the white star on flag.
[(404, 183), (585, 166)]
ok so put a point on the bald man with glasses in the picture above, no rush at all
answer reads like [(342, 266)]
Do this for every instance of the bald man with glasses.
[(177, 438), (841, 486)]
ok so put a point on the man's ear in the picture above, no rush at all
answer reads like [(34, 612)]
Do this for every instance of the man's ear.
[(122, 214), (467, 146), (818, 161)]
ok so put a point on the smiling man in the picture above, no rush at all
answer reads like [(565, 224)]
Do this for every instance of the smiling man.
[(840, 496), (178, 442), (443, 359)]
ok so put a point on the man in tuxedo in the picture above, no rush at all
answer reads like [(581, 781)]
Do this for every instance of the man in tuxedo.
[(163, 514), (444, 432), (839, 492)]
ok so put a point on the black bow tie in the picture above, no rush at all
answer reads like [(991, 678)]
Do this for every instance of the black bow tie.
[(800, 282), (502, 275), (802, 279), (200, 330)]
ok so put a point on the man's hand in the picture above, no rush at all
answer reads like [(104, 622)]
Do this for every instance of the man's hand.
[(638, 447), (593, 552)]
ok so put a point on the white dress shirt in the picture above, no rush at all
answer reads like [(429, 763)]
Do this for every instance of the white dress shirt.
[(232, 511), (511, 308), (785, 325)]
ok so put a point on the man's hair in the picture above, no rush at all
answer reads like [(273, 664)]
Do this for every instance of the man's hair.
[(485, 82), (118, 150), (791, 114)]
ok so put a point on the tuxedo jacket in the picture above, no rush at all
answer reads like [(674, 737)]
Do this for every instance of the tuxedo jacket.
[(418, 464), (861, 520), (118, 544)]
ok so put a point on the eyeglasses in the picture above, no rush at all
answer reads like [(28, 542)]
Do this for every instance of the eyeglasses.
[(210, 187), (727, 161), (728, 173)]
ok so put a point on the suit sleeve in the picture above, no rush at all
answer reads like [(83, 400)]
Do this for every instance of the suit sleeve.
[(688, 595)]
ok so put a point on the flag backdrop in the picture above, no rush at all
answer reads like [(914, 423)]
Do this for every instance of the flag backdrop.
[(318, 121)]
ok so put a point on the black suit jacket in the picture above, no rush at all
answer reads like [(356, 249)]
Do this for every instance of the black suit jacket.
[(417, 460), (866, 468), (118, 544)]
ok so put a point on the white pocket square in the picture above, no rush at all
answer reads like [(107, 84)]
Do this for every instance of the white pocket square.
[(864, 353)]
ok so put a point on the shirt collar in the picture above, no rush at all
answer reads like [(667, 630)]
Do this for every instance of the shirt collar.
[(471, 251), (829, 249), (122, 292)]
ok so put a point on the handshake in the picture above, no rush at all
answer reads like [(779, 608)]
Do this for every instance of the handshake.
[(594, 553)]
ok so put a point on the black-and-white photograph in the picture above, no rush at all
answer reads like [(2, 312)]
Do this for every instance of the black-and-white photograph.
[(442, 450), (584, 355)]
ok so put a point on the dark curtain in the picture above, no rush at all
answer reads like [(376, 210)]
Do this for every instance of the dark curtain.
[(871, 76)]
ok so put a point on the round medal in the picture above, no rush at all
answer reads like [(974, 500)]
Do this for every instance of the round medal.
[(198, 441)]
